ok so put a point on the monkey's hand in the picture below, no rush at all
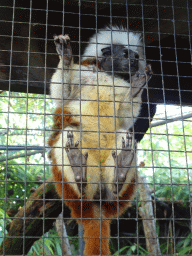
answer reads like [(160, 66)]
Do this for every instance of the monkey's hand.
[(123, 162), (78, 162), (139, 80), (64, 48)]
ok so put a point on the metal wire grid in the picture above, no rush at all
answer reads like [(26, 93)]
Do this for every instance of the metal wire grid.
[(44, 130)]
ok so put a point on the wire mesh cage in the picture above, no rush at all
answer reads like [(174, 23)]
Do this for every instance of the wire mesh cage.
[(95, 134)]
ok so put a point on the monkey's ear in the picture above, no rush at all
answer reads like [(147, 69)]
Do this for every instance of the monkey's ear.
[(106, 51)]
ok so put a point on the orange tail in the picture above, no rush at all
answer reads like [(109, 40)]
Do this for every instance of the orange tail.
[(96, 234)]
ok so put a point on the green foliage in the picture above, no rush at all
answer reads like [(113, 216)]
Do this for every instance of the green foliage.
[(4, 218), (25, 119), (183, 247), (166, 151), (168, 165), (131, 250), (49, 244), (16, 181), (24, 122)]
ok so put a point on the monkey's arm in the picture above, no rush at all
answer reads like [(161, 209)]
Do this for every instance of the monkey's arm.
[(140, 80), (63, 48), (60, 82)]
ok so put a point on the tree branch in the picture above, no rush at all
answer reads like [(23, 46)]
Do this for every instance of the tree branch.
[(146, 212), (33, 220)]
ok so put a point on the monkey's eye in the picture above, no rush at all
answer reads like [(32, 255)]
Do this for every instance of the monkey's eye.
[(125, 53), (106, 51), (136, 56)]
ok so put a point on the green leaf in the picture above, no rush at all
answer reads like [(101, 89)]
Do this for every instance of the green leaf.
[(185, 250)]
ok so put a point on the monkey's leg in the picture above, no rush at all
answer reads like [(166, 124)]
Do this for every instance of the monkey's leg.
[(78, 161), (139, 80), (96, 235), (123, 162), (64, 48)]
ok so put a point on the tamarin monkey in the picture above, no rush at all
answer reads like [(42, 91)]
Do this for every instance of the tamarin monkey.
[(92, 154)]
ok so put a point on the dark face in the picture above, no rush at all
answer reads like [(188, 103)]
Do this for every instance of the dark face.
[(120, 60)]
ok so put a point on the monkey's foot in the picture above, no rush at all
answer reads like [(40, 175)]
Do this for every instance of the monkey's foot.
[(123, 162), (64, 48), (139, 80), (78, 161)]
